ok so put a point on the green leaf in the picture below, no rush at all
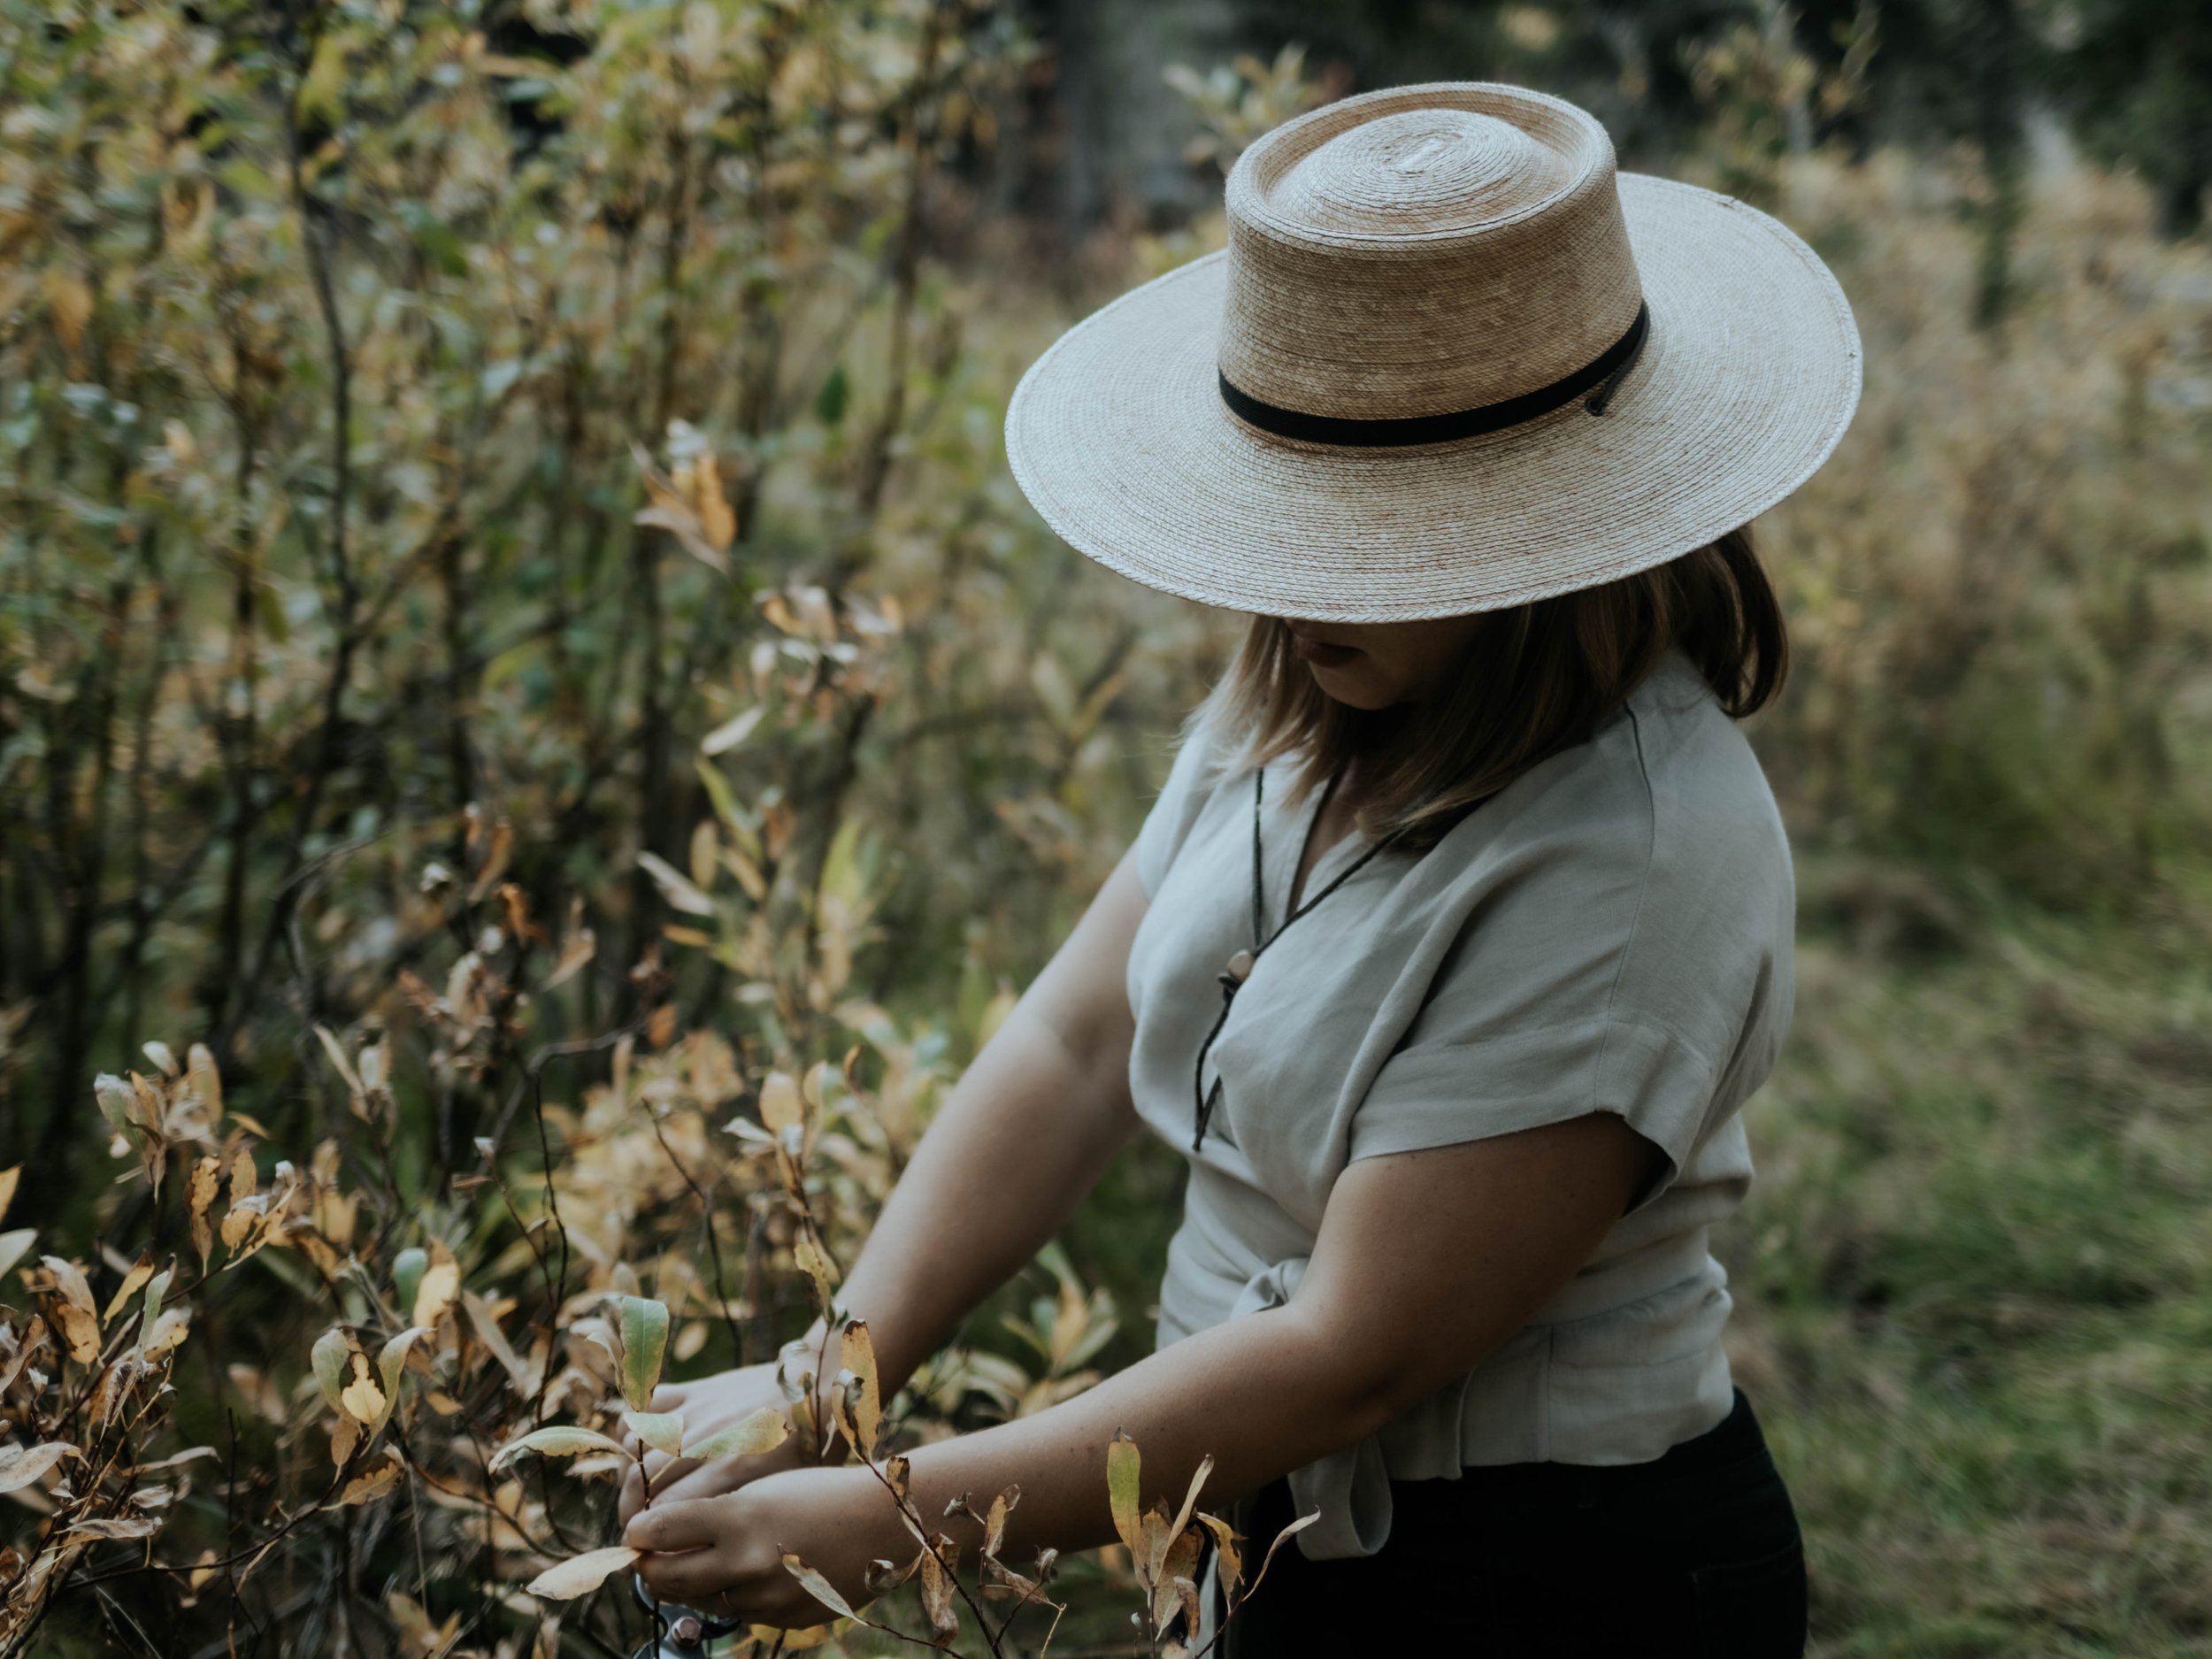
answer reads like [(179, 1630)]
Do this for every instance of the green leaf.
[(643, 1325), (322, 89), (329, 1359), (762, 1431), (663, 1430), (829, 403), (407, 1268), (389, 1363)]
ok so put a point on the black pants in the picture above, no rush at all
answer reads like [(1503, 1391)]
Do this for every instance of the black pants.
[(1695, 1555)]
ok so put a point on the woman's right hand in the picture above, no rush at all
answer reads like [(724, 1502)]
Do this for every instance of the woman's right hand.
[(709, 1405)]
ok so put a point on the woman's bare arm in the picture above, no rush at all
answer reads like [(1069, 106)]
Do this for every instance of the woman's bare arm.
[(1023, 1136), (1020, 1138)]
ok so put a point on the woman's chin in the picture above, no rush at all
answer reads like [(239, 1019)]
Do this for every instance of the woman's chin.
[(1351, 688)]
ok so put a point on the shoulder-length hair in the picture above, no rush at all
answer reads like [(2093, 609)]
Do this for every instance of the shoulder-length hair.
[(1534, 680)]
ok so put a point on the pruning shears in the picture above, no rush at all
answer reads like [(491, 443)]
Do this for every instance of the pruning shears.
[(685, 1633)]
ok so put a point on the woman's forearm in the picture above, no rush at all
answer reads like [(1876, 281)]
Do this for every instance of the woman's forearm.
[(1263, 1395), (1018, 1141)]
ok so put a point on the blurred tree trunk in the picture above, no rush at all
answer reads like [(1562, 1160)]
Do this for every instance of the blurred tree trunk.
[(1993, 53)]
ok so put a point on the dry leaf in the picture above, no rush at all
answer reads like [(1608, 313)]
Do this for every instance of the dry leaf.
[(20, 1465), (141, 1271), (561, 1440), (441, 1283), (200, 1199), (581, 1575), (817, 1585), (114, 1527), (1121, 1490), (373, 1482), (677, 887), (864, 1403), (937, 1591), (79, 1319)]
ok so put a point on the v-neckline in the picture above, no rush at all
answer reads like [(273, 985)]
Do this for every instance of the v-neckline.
[(1308, 820)]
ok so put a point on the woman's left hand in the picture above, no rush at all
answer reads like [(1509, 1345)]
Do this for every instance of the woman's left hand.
[(724, 1555)]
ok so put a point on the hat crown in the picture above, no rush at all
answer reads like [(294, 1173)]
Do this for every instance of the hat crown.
[(1424, 250)]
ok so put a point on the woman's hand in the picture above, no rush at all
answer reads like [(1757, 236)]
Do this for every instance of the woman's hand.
[(724, 1555), (711, 1404)]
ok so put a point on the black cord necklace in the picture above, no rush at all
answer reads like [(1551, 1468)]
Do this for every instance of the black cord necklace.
[(1240, 968)]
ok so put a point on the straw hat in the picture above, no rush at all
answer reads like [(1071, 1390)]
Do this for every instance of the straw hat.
[(1449, 361)]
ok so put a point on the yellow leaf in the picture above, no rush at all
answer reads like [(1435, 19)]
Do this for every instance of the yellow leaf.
[(817, 1585), (206, 1081), (440, 1284), (200, 1199), (758, 1431), (717, 523), (1180, 1562), (373, 1482), (781, 1106), (8, 1179), (937, 1588), (1121, 1489), (1190, 1498), (69, 301), (864, 1402), (79, 1316), (361, 1397), (581, 1575), (141, 1271), (816, 1266), (994, 1524)]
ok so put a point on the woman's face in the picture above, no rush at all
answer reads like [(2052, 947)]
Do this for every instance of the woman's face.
[(1376, 664)]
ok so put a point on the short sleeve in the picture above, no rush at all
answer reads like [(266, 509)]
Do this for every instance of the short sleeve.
[(1632, 957), (1176, 807)]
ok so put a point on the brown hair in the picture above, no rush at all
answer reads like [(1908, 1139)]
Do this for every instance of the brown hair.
[(1536, 679)]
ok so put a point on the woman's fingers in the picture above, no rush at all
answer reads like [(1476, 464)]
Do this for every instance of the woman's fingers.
[(705, 1480), (676, 1526)]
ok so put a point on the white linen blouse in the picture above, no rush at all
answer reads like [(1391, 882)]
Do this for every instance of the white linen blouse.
[(1611, 933)]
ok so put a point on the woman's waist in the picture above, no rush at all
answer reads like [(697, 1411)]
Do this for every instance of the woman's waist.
[(1218, 1261)]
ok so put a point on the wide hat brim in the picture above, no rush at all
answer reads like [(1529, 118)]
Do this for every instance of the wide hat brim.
[(1119, 437)]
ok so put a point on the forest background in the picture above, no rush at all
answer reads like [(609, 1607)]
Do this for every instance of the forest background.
[(537, 736)]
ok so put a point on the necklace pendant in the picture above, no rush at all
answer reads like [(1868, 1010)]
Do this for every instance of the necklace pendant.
[(1240, 966)]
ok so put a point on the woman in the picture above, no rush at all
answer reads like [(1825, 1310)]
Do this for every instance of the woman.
[(1454, 942)]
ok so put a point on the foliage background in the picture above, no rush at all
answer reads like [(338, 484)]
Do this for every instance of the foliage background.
[(514, 628)]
